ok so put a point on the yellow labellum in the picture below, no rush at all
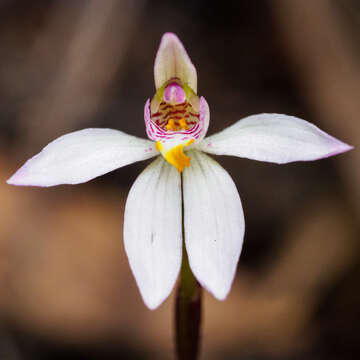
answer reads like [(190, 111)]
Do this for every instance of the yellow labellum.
[(176, 155), (183, 124), (171, 125)]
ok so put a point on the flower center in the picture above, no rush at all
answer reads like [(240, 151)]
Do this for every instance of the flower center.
[(175, 117), (173, 121), (174, 107)]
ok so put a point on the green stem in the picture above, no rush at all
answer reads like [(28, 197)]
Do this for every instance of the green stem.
[(187, 309)]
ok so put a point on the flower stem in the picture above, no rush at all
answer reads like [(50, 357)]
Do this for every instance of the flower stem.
[(187, 309)]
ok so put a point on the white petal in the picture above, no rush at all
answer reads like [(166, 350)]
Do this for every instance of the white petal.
[(81, 156), (214, 224), (153, 231), (172, 61), (274, 138)]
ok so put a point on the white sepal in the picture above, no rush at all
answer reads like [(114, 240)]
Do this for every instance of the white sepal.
[(274, 138), (214, 223), (81, 156), (172, 61), (153, 231)]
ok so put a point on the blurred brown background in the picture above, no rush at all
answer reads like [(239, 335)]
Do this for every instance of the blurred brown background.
[(66, 291)]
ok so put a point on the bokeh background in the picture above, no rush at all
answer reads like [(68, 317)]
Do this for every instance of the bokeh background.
[(66, 291)]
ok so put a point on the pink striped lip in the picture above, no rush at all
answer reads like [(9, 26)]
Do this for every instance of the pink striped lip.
[(180, 114)]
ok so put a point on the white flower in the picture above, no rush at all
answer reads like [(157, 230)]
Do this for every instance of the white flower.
[(176, 121)]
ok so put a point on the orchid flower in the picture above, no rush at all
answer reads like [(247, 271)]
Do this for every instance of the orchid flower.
[(176, 121)]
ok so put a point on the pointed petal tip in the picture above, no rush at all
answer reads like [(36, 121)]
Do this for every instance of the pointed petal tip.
[(221, 296), (153, 300), (153, 303), (343, 147), (219, 292), (170, 39), (10, 180), (17, 179), (339, 147), (170, 36), (13, 181), (24, 177)]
